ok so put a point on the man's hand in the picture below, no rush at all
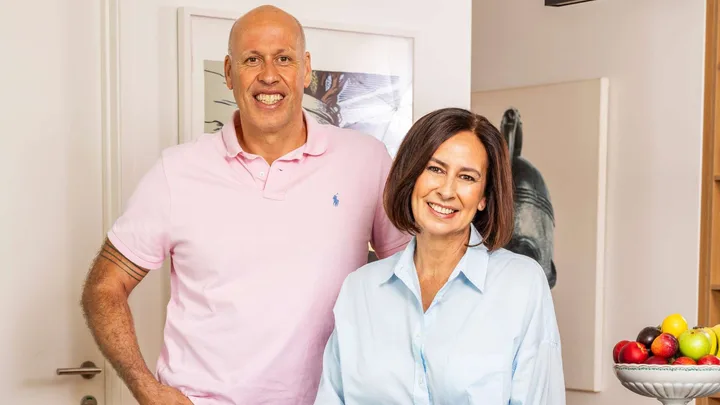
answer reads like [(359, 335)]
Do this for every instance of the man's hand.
[(165, 395)]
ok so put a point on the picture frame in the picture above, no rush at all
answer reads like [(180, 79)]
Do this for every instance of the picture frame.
[(371, 68)]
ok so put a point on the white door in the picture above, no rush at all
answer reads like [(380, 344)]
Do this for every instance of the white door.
[(51, 209)]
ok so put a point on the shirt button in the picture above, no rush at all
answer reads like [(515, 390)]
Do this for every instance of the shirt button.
[(262, 174)]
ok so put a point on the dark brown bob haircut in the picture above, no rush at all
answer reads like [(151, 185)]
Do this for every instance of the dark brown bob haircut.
[(495, 222)]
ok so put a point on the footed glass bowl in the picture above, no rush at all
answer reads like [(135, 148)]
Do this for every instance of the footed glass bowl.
[(670, 384)]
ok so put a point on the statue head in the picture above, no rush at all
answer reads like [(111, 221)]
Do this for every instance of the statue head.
[(534, 216)]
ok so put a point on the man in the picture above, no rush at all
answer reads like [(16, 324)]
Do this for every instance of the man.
[(262, 221)]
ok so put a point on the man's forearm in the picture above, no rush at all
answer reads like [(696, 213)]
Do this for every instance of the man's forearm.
[(110, 321)]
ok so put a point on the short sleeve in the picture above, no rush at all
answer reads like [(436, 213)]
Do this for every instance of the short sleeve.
[(141, 233), (386, 238)]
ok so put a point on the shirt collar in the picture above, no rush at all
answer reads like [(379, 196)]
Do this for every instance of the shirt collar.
[(473, 264), (315, 145)]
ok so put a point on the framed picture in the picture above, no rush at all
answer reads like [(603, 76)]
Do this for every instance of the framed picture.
[(362, 77)]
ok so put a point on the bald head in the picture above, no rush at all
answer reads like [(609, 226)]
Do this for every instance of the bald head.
[(266, 15)]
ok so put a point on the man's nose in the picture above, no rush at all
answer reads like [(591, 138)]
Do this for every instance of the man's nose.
[(269, 74)]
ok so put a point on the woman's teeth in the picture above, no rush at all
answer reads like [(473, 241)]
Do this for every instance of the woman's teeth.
[(440, 209), (269, 98)]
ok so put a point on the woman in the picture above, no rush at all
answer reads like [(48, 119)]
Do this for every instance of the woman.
[(454, 318)]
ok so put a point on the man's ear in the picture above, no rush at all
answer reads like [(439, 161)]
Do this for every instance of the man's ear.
[(228, 67), (308, 70)]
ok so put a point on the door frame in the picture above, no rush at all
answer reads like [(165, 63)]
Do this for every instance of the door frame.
[(111, 149), (709, 268)]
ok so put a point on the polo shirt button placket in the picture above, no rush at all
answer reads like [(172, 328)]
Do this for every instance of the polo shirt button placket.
[(276, 191)]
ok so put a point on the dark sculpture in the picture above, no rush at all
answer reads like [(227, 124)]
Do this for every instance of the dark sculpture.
[(534, 216)]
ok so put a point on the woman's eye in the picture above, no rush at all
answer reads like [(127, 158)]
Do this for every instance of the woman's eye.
[(468, 178), (434, 169)]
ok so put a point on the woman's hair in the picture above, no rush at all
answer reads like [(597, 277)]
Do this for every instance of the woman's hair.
[(495, 222)]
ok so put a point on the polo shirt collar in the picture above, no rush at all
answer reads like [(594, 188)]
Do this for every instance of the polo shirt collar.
[(473, 264), (315, 145)]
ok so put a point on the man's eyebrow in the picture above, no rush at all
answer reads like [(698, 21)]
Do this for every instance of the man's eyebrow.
[(256, 52)]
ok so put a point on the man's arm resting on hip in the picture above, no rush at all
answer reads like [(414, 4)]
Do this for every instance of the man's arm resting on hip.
[(110, 281)]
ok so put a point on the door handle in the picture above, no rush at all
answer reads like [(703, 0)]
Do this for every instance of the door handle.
[(86, 370)]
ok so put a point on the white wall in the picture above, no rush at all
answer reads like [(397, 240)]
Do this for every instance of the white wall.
[(149, 90), (652, 51)]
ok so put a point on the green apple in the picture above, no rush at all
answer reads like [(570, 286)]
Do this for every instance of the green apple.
[(694, 343)]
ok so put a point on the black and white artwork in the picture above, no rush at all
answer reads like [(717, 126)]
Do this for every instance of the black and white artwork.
[(376, 104)]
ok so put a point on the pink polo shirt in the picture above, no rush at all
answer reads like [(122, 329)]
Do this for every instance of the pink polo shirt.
[(258, 254)]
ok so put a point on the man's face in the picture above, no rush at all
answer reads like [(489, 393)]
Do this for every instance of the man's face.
[(267, 73)]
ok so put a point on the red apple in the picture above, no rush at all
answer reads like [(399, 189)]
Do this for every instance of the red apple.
[(709, 359), (616, 350), (656, 360), (665, 345), (633, 352), (684, 360)]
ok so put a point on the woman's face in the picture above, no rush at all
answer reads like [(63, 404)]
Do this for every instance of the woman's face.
[(451, 189)]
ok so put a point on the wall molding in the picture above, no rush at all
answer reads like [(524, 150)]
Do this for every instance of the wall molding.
[(111, 149)]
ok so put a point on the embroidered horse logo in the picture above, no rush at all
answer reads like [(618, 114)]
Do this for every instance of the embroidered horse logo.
[(336, 200)]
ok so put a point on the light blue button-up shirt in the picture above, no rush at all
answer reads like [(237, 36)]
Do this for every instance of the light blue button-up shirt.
[(489, 337)]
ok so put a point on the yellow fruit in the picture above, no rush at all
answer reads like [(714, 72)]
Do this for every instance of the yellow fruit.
[(712, 337), (716, 330), (674, 324)]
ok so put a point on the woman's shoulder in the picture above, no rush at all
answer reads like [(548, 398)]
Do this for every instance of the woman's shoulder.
[(361, 282), (504, 263), (374, 272)]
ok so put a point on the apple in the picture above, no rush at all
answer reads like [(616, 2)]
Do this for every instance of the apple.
[(656, 360), (684, 361), (616, 350), (647, 335), (634, 352), (709, 359), (694, 343), (665, 345)]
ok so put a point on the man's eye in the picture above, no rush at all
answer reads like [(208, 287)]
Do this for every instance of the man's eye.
[(284, 59)]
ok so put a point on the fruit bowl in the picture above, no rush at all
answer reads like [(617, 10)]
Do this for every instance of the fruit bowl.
[(670, 384)]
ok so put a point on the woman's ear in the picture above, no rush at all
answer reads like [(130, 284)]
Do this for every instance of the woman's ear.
[(482, 204)]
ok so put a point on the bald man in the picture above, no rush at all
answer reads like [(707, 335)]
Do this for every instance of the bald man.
[(261, 221)]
